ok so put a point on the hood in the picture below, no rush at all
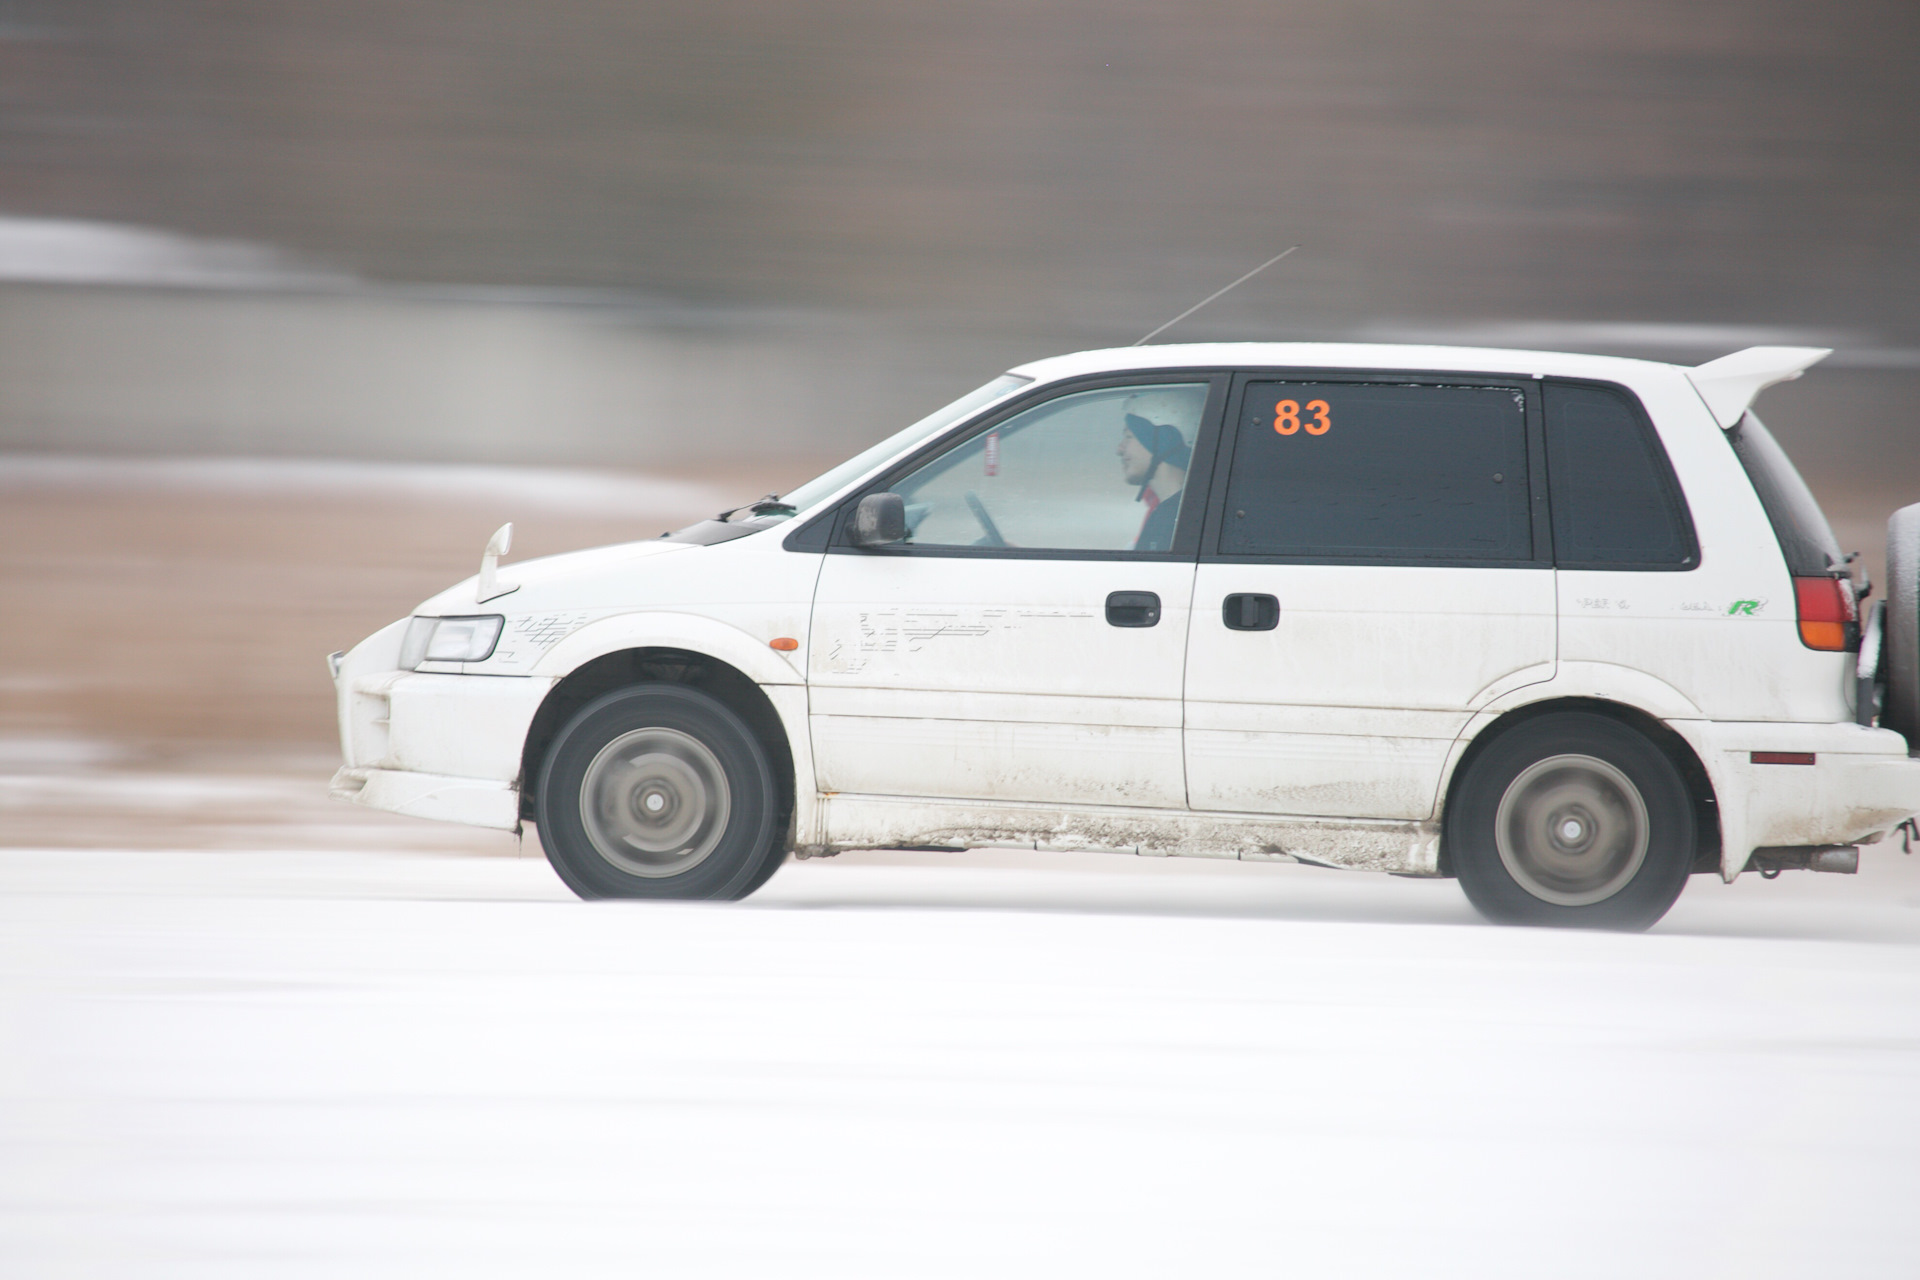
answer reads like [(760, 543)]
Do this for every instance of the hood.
[(537, 578)]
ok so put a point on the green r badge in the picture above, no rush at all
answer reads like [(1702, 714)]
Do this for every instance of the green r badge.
[(1745, 607)]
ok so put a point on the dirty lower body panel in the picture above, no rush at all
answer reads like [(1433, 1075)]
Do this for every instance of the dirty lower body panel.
[(859, 821)]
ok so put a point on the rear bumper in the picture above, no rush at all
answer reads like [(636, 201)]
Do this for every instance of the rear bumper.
[(1860, 785)]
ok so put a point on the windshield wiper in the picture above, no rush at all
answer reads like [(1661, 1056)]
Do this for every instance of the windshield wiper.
[(767, 506)]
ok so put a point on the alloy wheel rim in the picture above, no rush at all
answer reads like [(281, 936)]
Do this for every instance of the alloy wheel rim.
[(655, 802), (1572, 830)]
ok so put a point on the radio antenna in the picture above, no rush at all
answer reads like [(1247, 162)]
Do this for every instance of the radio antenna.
[(1210, 297)]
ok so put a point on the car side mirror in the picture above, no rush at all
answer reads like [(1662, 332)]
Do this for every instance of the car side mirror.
[(880, 520)]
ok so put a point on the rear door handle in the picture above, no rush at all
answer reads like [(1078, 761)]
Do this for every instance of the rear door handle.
[(1242, 612), (1133, 609)]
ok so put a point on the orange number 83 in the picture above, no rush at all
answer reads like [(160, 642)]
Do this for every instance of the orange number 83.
[(1286, 417)]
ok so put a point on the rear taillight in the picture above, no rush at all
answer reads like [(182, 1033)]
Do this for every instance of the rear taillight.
[(1828, 615)]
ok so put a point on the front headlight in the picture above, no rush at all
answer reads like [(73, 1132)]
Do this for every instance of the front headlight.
[(466, 639)]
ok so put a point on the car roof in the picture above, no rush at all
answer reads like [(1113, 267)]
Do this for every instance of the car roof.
[(1337, 355)]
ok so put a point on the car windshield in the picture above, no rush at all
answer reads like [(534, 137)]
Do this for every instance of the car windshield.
[(825, 486)]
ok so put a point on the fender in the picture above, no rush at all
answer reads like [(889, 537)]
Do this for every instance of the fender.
[(661, 629), (1736, 847), (1602, 682), (1609, 683), (782, 676)]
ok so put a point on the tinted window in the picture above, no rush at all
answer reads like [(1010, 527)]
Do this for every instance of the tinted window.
[(1092, 471), (1806, 539), (1371, 471), (1615, 505)]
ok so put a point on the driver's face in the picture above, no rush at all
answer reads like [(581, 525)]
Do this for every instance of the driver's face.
[(1134, 458)]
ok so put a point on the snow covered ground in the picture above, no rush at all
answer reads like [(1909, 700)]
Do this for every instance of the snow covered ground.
[(365, 1064)]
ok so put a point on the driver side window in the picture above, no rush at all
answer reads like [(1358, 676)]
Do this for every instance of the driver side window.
[(1091, 471)]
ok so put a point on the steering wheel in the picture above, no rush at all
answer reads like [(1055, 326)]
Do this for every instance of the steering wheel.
[(986, 521)]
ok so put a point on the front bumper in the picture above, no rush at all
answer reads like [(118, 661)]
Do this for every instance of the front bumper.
[(437, 746), (462, 726), (473, 801)]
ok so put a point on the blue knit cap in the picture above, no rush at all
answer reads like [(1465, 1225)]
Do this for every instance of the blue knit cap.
[(1165, 443)]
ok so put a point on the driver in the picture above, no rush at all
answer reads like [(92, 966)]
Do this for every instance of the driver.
[(1154, 455)]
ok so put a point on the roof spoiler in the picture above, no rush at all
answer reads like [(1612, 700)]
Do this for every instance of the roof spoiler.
[(1729, 384)]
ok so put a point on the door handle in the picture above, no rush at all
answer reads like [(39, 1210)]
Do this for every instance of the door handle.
[(1244, 612), (1133, 609)]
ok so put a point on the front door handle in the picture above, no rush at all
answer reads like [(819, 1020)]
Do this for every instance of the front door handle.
[(1133, 609), (1243, 612)]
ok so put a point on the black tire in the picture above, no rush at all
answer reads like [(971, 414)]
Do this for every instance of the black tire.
[(659, 791), (1900, 660), (1572, 819)]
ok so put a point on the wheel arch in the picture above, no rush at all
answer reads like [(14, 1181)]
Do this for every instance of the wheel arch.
[(1676, 748), (622, 668)]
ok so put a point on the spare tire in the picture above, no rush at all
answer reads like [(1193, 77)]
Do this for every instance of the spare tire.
[(1901, 660)]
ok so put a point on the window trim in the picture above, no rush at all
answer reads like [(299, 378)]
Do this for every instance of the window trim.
[(1193, 507), (1671, 487), (1536, 446)]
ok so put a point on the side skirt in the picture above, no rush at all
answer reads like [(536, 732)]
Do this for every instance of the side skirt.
[(886, 822)]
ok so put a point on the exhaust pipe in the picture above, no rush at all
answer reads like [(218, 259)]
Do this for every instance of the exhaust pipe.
[(1834, 859)]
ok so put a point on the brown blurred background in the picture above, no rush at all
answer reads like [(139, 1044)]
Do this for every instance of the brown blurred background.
[(401, 255)]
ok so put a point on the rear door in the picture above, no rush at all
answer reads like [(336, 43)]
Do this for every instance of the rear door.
[(1376, 566)]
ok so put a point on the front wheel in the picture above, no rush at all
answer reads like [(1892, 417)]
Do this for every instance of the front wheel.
[(658, 791), (1572, 819)]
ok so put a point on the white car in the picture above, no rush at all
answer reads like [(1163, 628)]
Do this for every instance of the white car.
[(1567, 628)]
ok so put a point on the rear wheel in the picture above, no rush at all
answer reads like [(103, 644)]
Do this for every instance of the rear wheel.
[(658, 791), (1572, 819)]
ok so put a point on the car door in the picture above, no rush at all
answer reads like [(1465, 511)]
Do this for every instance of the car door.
[(1376, 567), (1026, 643)]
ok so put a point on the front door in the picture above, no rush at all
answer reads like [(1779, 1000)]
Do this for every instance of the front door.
[(1376, 570), (1026, 643)]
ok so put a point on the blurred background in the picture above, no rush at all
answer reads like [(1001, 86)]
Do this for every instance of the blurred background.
[(298, 302)]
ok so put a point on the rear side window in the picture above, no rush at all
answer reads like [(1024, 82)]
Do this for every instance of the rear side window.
[(1806, 539), (1369, 471), (1615, 503)]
